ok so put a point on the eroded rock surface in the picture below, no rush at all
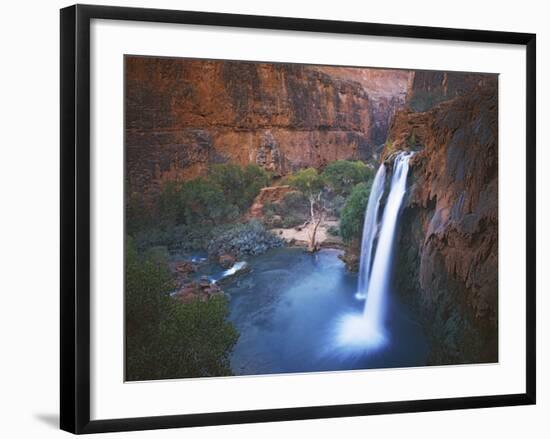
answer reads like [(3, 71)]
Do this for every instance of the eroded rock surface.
[(271, 194), (447, 262), (182, 115)]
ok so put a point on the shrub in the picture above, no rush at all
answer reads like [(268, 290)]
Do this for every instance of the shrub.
[(203, 200), (137, 214), (294, 203), (333, 230), (169, 205), (270, 209), (308, 181), (197, 201), (164, 337), (239, 185), (336, 204), (343, 175), (353, 213)]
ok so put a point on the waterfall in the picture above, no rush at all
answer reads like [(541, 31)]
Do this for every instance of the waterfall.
[(378, 282), (366, 330), (369, 230)]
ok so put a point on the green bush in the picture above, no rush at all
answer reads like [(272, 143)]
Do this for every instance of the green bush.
[(227, 192), (169, 205), (203, 200), (195, 201), (164, 337), (335, 205), (308, 181), (353, 213), (343, 175), (334, 231), (292, 210), (137, 214), (239, 185), (294, 203), (271, 209)]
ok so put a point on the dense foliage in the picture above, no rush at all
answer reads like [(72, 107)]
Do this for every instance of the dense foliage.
[(166, 338), (239, 185), (190, 210), (342, 175), (353, 213), (308, 181), (195, 201), (137, 214)]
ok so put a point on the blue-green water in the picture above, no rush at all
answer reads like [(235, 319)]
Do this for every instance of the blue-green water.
[(287, 310)]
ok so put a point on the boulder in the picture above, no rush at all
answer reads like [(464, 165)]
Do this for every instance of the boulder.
[(184, 267), (201, 290), (226, 260)]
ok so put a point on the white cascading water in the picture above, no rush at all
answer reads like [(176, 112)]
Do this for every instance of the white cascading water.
[(370, 228), (366, 331), (382, 264)]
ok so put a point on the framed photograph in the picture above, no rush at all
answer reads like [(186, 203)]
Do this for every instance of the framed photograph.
[(267, 218)]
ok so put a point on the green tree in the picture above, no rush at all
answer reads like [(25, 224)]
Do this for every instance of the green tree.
[(239, 185), (201, 200), (353, 213), (166, 338), (197, 201), (311, 184), (343, 175), (147, 284), (169, 206), (137, 212)]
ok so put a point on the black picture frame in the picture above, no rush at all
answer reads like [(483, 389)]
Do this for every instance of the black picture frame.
[(75, 217)]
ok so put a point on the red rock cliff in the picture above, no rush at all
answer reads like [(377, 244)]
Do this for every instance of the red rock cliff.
[(182, 115), (448, 247)]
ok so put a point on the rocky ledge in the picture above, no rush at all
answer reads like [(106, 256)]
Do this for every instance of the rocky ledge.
[(202, 289)]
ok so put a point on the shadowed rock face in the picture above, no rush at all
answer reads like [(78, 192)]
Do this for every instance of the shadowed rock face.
[(387, 90), (182, 115), (428, 88), (447, 262)]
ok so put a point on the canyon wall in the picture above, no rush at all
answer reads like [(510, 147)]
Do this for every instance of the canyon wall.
[(182, 115), (427, 88), (447, 251)]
